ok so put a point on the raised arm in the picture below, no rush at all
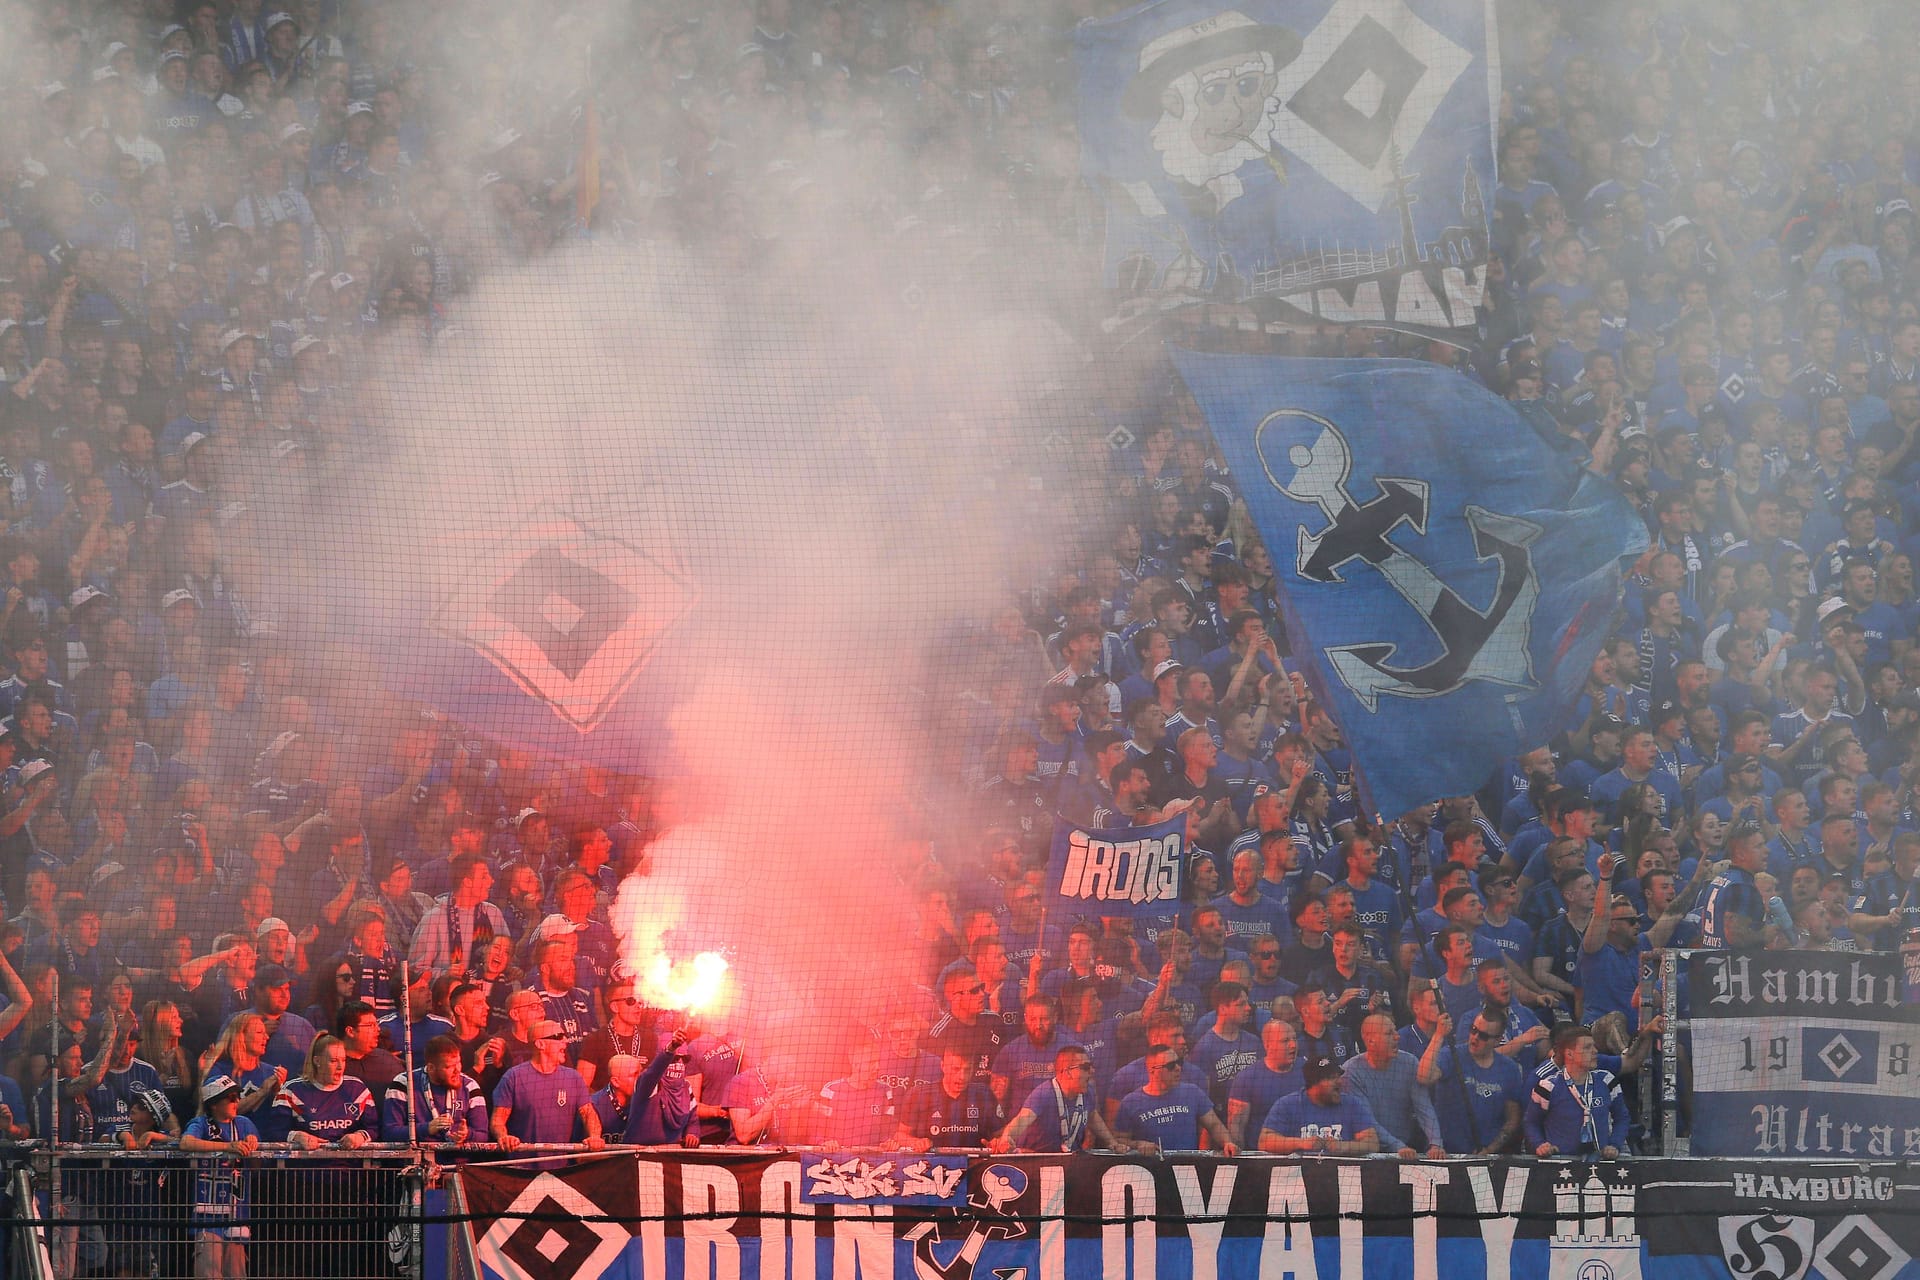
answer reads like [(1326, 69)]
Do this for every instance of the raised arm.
[(19, 999), (1429, 1074)]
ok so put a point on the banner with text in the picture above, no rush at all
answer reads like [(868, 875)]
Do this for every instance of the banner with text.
[(1124, 871), (665, 1216), (1313, 161), (1807, 1054)]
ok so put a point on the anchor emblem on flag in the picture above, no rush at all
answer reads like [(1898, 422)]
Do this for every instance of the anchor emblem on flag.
[(1309, 460)]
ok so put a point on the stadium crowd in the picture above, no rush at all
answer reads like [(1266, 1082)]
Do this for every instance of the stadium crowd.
[(216, 214)]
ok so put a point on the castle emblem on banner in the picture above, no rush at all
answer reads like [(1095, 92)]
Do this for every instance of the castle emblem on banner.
[(1594, 1236)]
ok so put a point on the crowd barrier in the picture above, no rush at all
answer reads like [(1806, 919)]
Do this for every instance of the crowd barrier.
[(1793, 1068), (99, 1211), (738, 1214), (810, 1215)]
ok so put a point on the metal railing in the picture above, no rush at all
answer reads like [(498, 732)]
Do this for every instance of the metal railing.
[(27, 1256), (102, 1211), (1672, 1143), (367, 1214)]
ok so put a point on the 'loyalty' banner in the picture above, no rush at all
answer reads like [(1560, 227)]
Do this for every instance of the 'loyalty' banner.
[(712, 1214)]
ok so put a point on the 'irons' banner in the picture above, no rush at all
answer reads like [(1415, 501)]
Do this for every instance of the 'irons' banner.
[(1808, 1054), (1317, 161), (1122, 871), (726, 1215)]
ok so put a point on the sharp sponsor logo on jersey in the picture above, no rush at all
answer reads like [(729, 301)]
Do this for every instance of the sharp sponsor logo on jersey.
[(1134, 871)]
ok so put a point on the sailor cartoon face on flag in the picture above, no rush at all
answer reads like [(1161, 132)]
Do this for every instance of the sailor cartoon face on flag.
[(1448, 573), (1314, 158)]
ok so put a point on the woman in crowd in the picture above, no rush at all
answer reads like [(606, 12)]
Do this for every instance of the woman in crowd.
[(325, 1106), (333, 985), (239, 1055), (160, 1044)]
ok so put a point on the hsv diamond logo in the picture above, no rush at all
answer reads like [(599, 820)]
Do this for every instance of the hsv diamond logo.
[(1358, 97), (1857, 1249), (1839, 1057), (569, 614), (541, 1235)]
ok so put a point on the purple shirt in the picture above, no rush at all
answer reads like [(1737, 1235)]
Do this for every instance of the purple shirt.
[(856, 1115), (544, 1106)]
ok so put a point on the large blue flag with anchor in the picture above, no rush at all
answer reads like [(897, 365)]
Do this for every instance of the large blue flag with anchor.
[(1448, 573)]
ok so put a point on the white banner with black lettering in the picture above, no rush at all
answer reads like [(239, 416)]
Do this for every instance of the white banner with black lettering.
[(1803, 1053)]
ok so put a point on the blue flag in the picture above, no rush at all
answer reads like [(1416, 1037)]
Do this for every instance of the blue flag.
[(538, 632), (1329, 160), (1122, 871), (1448, 573)]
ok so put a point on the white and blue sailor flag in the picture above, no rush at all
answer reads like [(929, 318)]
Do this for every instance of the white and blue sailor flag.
[(1324, 160), (1447, 573)]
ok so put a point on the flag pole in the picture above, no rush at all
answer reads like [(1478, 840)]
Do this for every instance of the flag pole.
[(586, 188)]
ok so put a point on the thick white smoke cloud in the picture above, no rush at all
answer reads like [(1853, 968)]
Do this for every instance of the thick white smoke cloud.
[(824, 407), (832, 468)]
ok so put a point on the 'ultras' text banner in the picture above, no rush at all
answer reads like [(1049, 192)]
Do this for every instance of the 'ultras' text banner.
[(1808, 1054)]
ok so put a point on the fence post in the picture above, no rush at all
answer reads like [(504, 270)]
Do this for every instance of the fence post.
[(53, 1080), (31, 1252), (1643, 1081), (1670, 1140), (406, 1036), (416, 1182)]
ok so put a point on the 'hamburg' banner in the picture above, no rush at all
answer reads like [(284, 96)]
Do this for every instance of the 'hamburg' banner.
[(1120, 871), (1807, 1054), (742, 1214)]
